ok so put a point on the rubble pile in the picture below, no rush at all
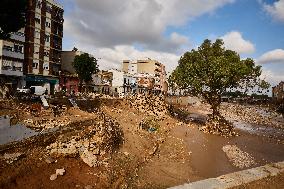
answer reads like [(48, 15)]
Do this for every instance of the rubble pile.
[(150, 104), (250, 114), (10, 158), (239, 158), (218, 126), (96, 95), (47, 123), (97, 140), (149, 123)]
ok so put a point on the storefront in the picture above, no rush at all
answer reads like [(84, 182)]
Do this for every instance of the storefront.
[(42, 81)]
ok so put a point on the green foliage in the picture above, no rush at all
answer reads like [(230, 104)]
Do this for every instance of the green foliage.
[(12, 16), (85, 67), (211, 70)]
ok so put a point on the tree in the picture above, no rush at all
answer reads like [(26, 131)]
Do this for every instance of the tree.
[(211, 70), (85, 66), (12, 16)]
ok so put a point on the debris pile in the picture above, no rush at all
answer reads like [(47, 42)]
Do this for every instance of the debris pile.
[(149, 124), (47, 123), (10, 158), (97, 140), (239, 158), (150, 104), (250, 114), (218, 125)]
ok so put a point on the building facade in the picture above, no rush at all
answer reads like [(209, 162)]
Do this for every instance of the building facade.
[(152, 68), (278, 91), (43, 37), (69, 80), (102, 82), (12, 60)]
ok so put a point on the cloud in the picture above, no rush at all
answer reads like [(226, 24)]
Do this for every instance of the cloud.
[(272, 77), (111, 23), (112, 58), (235, 41), (274, 56), (276, 10)]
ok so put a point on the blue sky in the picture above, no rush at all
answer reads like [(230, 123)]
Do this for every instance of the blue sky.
[(164, 30)]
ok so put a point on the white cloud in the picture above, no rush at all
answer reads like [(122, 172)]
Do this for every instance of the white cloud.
[(276, 10), (235, 41), (274, 56), (112, 58), (271, 76), (110, 23)]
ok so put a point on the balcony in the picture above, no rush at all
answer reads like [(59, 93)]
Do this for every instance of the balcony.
[(11, 71), (18, 36), (13, 54)]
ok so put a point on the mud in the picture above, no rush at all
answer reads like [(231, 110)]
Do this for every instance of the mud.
[(173, 153)]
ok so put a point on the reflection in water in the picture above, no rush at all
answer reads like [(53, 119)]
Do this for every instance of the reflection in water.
[(13, 133)]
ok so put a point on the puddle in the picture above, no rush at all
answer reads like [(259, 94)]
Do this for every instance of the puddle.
[(17, 132)]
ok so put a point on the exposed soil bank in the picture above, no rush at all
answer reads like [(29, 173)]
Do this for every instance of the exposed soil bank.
[(168, 153)]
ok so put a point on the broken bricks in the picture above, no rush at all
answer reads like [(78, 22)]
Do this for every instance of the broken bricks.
[(58, 172)]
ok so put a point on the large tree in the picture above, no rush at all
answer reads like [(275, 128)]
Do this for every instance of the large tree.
[(211, 70), (85, 66), (12, 16)]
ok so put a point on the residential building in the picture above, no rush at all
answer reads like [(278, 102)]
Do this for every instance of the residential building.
[(123, 84), (102, 82), (12, 60), (145, 83), (69, 80), (44, 33), (151, 67), (117, 82), (278, 91)]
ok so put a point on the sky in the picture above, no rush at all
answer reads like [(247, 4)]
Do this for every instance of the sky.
[(164, 30)]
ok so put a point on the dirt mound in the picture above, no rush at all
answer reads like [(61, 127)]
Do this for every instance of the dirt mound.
[(149, 104)]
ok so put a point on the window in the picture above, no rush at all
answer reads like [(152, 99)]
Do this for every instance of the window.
[(45, 66), (47, 24), (46, 53), (47, 38), (19, 49), (7, 48), (38, 4), (37, 19), (35, 65)]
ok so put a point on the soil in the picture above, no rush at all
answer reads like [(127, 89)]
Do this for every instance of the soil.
[(173, 153)]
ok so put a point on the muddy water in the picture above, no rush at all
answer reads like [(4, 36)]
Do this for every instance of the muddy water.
[(207, 158), (13, 133)]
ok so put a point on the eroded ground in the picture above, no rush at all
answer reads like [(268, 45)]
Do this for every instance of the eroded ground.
[(134, 143)]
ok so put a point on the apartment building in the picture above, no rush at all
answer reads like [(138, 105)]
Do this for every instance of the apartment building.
[(152, 68), (278, 91), (12, 60), (69, 80), (44, 33)]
